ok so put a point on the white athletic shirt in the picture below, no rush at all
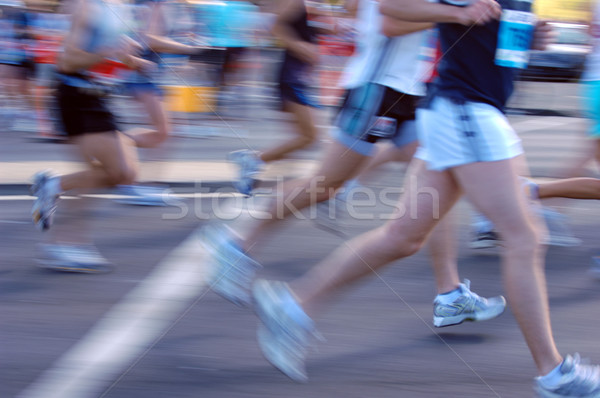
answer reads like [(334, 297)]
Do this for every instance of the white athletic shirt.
[(401, 68), (592, 67)]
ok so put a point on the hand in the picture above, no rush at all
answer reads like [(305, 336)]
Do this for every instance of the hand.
[(479, 13), (543, 35)]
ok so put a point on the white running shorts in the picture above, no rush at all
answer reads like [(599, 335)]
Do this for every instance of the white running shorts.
[(453, 132)]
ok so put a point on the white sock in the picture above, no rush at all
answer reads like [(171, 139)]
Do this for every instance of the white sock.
[(449, 297), (552, 379), (54, 186)]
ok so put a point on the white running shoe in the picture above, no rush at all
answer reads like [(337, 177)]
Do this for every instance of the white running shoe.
[(286, 331), (72, 258), (559, 232), (44, 206), (233, 270), (467, 307), (485, 240), (250, 166), (577, 380)]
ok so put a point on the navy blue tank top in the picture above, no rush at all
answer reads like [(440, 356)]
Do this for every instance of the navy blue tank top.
[(293, 69), (467, 70)]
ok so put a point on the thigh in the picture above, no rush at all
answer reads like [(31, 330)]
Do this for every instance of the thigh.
[(109, 150), (428, 195), (495, 190), (304, 117), (339, 164)]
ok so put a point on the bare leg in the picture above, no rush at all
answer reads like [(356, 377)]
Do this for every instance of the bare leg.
[(146, 138), (573, 188), (442, 251), (112, 161), (428, 197), (386, 155), (339, 163), (502, 200), (306, 133)]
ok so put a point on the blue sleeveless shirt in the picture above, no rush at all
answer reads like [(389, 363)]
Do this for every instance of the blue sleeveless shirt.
[(468, 70)]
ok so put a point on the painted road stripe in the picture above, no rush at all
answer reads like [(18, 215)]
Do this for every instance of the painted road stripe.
[(192, 195), (129, 329)]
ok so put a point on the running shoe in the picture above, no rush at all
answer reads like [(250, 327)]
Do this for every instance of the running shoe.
[(559, 232), (485, 240), (286, 331), (72, 258), (577, 379), (595, 268), (467, 307), (140, 195), (233, 270), (44, 206), (250, 166)]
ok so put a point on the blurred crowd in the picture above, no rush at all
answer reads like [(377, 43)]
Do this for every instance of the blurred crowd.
[(240, 50)]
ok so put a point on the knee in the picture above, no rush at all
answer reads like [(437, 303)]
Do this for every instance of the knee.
[(402, 240), (525, 241), (122, 176)]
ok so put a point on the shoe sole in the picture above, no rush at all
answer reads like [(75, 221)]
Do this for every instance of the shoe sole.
[(80, 269), (483, 244), (440, 322), (267, 342)]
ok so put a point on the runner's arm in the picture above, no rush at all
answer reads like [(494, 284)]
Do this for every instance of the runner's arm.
[(396, 27), (478, 13)]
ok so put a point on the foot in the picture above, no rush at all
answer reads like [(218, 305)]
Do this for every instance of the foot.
[(250, 166), (143, 195), (485, 240), (575, 380), (286, 331), (233, 270), (44, 205), (72, 258), (468, 306), (559, 232)]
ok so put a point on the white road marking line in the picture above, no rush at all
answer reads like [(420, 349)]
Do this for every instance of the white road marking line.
[(128, 329), (192, 195)]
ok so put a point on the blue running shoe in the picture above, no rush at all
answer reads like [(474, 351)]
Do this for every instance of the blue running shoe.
[(466, 307), (233, 270), (286, 331), (250, 166), (72, 258), (44, 205), (577, 380)]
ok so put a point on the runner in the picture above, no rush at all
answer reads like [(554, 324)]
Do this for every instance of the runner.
[(154, 26), (467, 146), (384, 82), (301, 55), (96, 42)]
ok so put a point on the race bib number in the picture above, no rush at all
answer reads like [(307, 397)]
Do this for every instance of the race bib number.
[(514, 38), (383, 127)]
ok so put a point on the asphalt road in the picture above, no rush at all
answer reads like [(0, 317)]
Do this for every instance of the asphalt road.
[(151, 329)]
